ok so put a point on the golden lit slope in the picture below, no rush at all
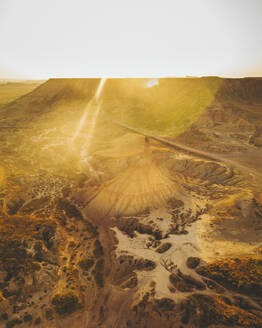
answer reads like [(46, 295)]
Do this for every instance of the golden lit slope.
[(173, 103), (144, 184), (10, 91), (128, 145)]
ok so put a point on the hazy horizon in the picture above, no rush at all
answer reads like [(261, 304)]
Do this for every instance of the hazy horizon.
[(13, 79)]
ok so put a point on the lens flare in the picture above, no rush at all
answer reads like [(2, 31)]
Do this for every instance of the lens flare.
[(80, 124), (92, 126), (100, 88), (96, 113), (86, 113), (152, 83)]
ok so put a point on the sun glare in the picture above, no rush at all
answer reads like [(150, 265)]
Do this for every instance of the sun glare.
[(80, 124), (92, 126), (92, 102), (152, 83), (100, 88)]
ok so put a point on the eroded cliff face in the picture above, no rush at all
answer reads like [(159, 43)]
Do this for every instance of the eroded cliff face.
[(232, 123), (131, 235)]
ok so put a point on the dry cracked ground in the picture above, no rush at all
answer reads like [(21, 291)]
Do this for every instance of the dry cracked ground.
[(136, 233)]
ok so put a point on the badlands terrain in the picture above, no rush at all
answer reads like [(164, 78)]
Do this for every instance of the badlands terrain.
[(137, 208)]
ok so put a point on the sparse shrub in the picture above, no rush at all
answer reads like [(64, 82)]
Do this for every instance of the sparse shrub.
[(98, 249), (28, 318), (163, 248), (92, 230), (193, 262), (37, 321), (98, 273), (165, 304), (38, 252), (145, 264), (242, 274), (86, 264), (49, 314), (48, 233), (65, 303), (4, 316), (14, 206), (12, 323), (70, 209)]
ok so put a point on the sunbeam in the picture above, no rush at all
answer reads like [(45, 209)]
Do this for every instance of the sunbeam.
[(100, 88), (86, 112), (80, 124), (92, 126)]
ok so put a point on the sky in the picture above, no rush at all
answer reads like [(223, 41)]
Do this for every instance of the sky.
[(40, 39)]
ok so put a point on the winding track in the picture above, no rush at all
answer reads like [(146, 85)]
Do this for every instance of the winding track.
[(192, 151)]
